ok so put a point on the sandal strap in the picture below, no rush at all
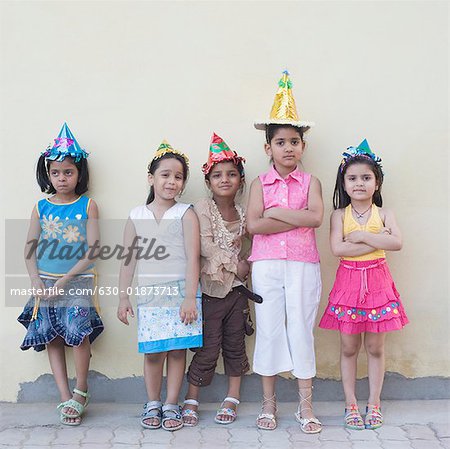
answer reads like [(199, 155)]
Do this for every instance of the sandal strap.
[(191, 402), (85, 394), (227, 412), (307, 399), (353, 416), (189, 412), (171, 411), (232, 400), (150, 405), (375, 412), (74, 404), (271, 401), (306, 421), (352, 411), (269, 416)]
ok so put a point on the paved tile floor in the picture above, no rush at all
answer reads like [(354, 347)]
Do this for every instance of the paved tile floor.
[(408, 424)]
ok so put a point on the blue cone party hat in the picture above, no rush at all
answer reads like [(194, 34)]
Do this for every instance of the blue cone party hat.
[(363, 149), (65, 145)]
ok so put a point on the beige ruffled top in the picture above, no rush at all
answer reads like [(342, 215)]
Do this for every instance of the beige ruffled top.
[(220, 249)]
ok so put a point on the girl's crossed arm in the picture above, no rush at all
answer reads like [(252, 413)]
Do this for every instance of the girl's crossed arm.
[(341, 247), (256, 222), (389, 240), (307, 218), (191, 231)]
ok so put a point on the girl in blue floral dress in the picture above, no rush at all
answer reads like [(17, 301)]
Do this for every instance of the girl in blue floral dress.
[(61, 312)]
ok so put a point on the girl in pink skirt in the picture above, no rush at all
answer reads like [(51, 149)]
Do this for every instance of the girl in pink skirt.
[(364, 298)]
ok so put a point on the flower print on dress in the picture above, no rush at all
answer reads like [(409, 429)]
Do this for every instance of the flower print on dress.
[(71, 234), (51, 226), (74, 311)]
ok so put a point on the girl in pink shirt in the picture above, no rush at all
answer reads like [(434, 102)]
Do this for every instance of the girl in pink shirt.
[(285, 205)]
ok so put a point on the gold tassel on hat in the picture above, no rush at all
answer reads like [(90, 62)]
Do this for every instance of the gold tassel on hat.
[(165, 148)]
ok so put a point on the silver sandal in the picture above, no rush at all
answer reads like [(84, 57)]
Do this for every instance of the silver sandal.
[(171, 412), (152, 409)]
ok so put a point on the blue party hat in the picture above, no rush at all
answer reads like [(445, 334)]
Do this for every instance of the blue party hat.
[(363, 149), (65, 145)]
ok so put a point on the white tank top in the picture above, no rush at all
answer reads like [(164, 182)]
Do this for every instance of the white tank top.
[(162, 257)]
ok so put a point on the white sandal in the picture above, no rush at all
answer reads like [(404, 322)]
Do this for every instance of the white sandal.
[(227, 411), (189, 413), (269, 416), (305, 421)]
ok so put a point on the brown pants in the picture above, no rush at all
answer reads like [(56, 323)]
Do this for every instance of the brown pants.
[(223, 327)]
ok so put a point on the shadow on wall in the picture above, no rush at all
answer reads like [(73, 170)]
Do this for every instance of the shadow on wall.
[(132, 389)]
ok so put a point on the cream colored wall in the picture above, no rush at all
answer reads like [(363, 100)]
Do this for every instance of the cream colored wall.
[(125, 75)]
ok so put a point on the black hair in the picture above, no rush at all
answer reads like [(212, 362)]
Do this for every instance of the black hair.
[(154, 164), (43, 168), (340, 196), (272, 129)]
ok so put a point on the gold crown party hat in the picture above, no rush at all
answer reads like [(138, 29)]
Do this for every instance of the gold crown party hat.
[(165, 148), (284, 110)]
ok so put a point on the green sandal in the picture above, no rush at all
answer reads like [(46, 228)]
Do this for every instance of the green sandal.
[(75, 405)]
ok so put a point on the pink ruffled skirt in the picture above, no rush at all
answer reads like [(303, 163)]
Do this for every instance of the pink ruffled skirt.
[(364, 299)]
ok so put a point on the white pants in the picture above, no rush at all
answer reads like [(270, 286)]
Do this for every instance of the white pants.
[(285, 320)]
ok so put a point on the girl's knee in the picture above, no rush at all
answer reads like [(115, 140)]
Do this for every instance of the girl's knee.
[(349, 351), (374, 345), (177, 354), (375, 350), (155, 358)]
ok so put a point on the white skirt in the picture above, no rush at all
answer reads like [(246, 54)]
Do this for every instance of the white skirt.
[(159, 324)]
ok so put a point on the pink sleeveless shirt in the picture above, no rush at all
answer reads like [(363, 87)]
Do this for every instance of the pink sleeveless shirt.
[(291, 193)]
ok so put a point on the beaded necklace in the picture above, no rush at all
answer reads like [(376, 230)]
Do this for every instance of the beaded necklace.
[(225, 238)]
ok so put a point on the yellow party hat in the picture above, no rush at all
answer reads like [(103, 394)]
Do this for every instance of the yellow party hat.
[(284, 110), (165, 148)]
